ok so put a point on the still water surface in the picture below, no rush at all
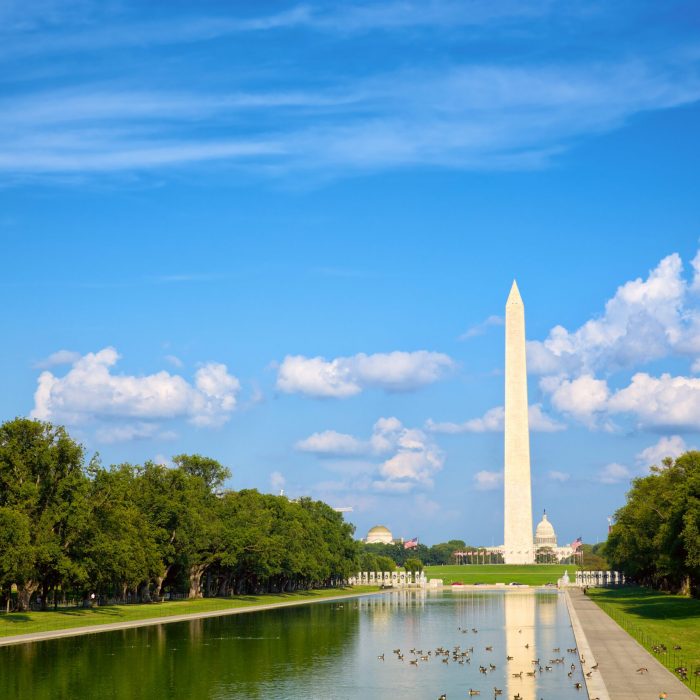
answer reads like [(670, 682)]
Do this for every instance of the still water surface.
[(325, 650)]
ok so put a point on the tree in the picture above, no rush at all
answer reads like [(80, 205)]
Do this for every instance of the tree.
[(15, 548), (129, 529), (119, 551), (208, 470), (545, 555), (656, 535), (42, 482), (441, 554), (592, 559), (384, 564), (368, 562), (159, 497), (199, 527), (414, 565), (180, 506)]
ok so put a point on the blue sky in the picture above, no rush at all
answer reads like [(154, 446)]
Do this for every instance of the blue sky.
[(283, 235)]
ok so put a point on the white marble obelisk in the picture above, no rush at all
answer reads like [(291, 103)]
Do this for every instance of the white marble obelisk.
[(518, 540)]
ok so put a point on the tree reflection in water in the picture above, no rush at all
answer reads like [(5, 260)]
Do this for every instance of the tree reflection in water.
[(325, 650)]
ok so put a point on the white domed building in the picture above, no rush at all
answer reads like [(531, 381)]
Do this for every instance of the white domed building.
[(546, 548), (544, 534), (379, 534)]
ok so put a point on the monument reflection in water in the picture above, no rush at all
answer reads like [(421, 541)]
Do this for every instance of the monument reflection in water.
[(325, 650)]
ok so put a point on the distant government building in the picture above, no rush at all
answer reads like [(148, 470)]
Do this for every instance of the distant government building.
[(381, 535)]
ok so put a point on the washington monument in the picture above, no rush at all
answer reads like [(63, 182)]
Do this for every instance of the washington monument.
[(518, 547)]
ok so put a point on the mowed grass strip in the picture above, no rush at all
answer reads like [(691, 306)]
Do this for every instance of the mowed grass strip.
[(653, 617), (67, 618), (532, 575)]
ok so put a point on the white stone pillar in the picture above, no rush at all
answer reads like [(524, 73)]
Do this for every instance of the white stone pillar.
[(518, 536)]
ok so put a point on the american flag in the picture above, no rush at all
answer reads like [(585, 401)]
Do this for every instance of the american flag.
[(576, 543), (411, 544)]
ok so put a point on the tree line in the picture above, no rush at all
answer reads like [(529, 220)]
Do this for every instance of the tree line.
[(655, 538), (379, 557), (134, 531)]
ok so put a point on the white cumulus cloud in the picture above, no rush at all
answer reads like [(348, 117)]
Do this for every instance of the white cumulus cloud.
[(332, 444), (561, 477), (416, 461), (672, 446), (91, 391), (614, 473), (488, 481), (411, 457), (645, 320), (665, 402), (660, 402), (215, 397), (347, 376), (580, 397), (492, 421)]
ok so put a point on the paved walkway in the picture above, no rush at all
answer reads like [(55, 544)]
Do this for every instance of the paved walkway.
[(619, 656), (111, 627)]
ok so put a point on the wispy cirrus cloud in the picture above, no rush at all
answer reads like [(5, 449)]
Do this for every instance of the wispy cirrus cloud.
[(55, 359), (485, 114), (93, 33), (481, 328), (277, 481), (472, 117)]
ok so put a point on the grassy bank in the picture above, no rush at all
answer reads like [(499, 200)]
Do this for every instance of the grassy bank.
[(66, 618), (533, 575), (655, 618)]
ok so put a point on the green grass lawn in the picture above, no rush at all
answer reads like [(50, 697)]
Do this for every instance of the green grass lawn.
[(653, 618), (65, 618), (533, 575)]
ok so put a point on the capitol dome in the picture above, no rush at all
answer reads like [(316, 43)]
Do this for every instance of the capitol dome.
[(544, 534), (381, 534)]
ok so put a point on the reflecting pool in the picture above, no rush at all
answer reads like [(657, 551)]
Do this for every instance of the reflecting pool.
[(325, 650)]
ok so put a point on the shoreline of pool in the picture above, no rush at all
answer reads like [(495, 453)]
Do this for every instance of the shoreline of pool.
[(31, 637)]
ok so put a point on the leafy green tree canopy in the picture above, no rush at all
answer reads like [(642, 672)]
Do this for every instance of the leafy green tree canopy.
[(656, 535)]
